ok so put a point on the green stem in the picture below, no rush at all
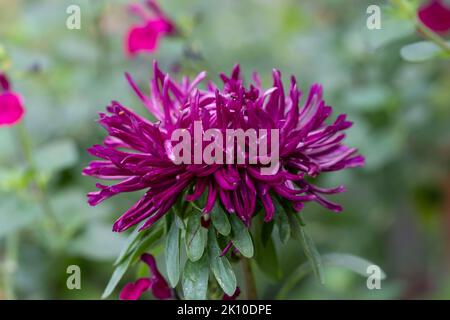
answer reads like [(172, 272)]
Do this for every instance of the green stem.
[(39, 188), (430, 35), (250, 287), (410, 12), (10, 265)]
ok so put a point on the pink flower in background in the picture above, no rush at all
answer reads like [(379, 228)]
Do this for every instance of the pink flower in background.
[(156, 283), (11, 105), (234, 296), (145, 36), (435, 14)]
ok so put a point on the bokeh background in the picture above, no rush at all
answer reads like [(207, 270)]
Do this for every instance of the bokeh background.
[(397, 208)]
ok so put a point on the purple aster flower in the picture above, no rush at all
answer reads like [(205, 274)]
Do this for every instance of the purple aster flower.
[(435, 14), (139, 153), (11, 104), (156, 283)]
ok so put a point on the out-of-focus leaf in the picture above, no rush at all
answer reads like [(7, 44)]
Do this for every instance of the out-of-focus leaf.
[(266, 232), (149, 242), (220, 220), (241, 237), (195, 237), (351, 262), (421, 51), (172, 254), (97, 243), (14, 179), (267, 259), (392, 30), (195, 279), (16, 214), (367, 98), (342, 260), (220, 266), (56, 156)]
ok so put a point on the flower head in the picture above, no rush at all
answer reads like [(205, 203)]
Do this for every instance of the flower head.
[(11, 104), (435, 14), (145, 36), (156, 283), (140, 153)]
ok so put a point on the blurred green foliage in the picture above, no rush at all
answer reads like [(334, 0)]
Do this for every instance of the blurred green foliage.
[(397, 208)]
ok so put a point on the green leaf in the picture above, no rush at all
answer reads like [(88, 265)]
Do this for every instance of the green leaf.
[(312, 254), (129, 244), (351, 262), (145, 243), (266, 232), (282, 223), (421, 51), (294, 221), (343, 260), (195, 279), (56, 156), (172, 254), (220, 220), (294, 225), (116, 277), (393, 30), (195, 237), (241, 237), (148, 242), (267, 259), (97, 242), (220, 266), (16, 214)]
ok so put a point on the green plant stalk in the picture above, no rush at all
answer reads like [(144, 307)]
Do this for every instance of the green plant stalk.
[(405, 6), (9, 265), (410, 12), (250, 286), (433, 37), (39, 188)]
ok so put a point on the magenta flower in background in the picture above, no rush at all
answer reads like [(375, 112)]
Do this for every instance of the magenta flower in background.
[(156, 283), (435, 14), (11, 104), (137, 152), (234, 296), (144, 37)]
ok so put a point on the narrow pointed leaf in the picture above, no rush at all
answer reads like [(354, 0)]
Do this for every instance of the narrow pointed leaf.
[(312, 254), (116, 277), (282, 223)]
